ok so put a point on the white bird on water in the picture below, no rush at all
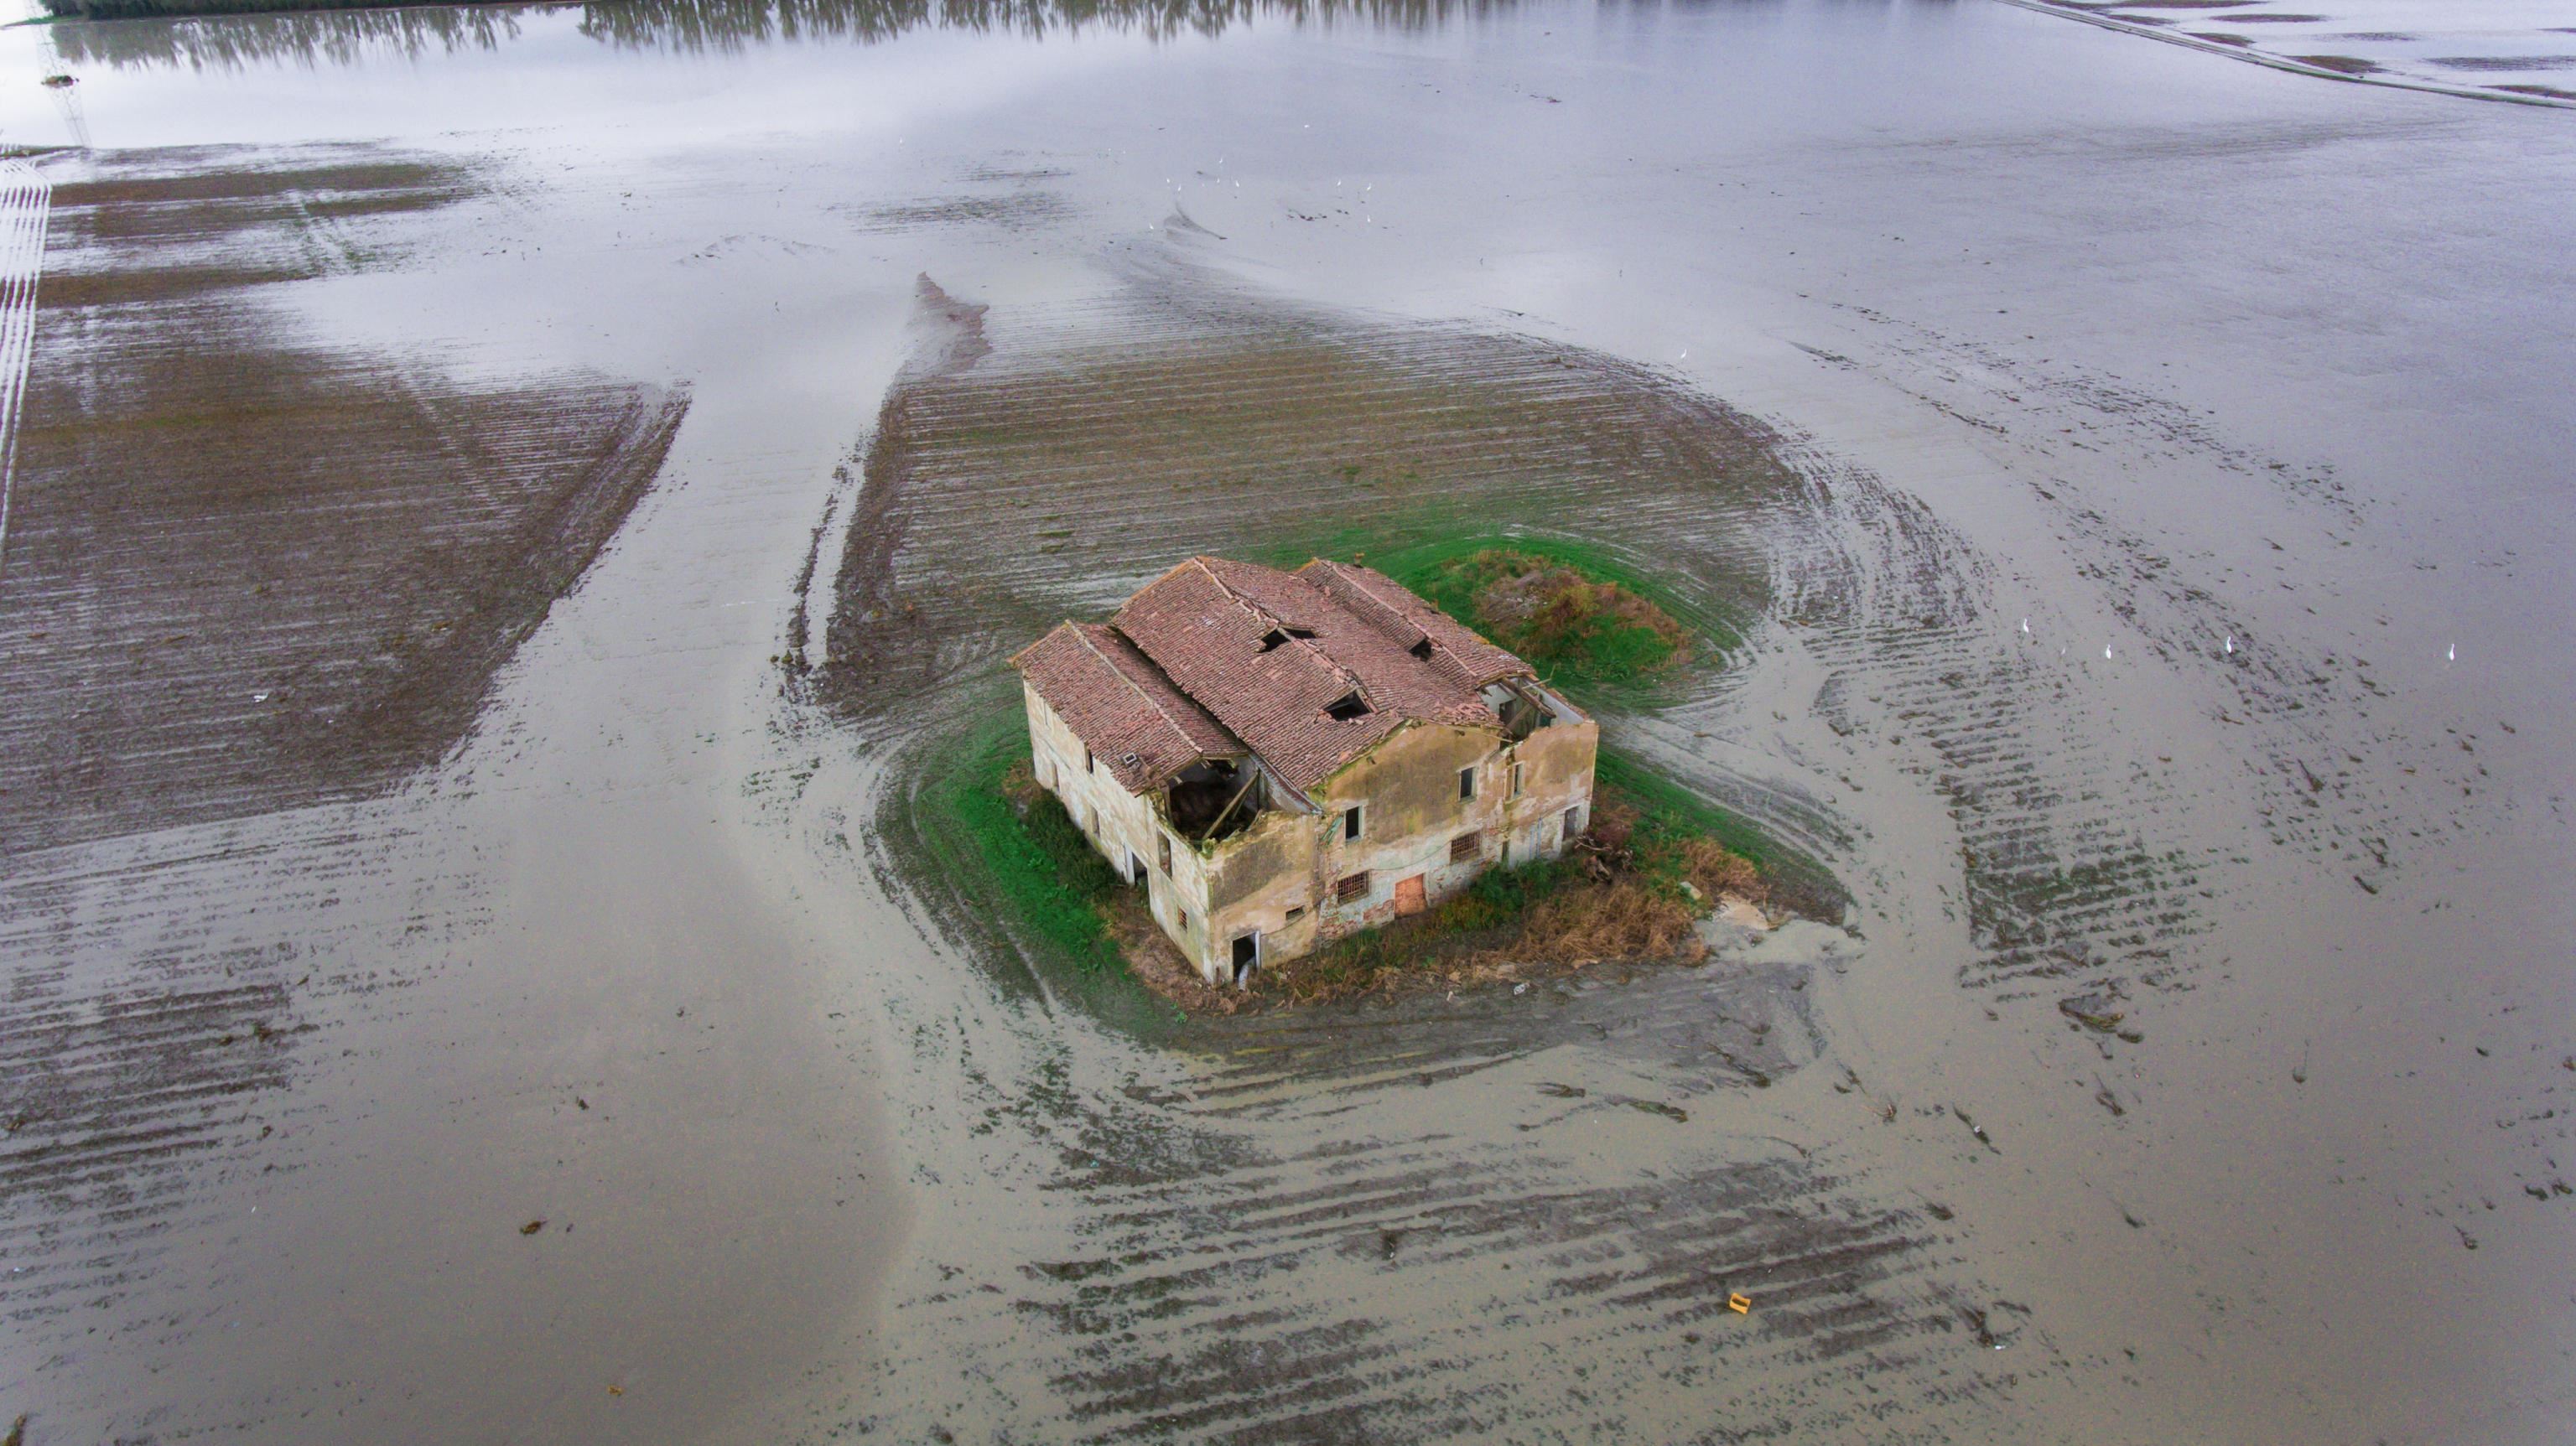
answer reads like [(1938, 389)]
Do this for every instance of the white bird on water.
[(2453, 655), (2231, 644), (2106, 650), (2025, 627)]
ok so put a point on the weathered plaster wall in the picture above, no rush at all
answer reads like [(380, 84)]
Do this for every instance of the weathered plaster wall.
[(1407, 790), (1277, 878), (1256, 880), (1125, 828), (1556, 775)]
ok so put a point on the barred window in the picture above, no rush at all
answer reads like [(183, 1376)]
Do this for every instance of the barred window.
[(1352, 887), (1465, 846)]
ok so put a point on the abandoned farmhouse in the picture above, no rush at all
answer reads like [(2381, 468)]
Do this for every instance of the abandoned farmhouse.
[(1280, 758)]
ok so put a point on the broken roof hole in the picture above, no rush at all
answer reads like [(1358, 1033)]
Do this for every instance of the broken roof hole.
[(1421, 650), (1347, 707), (1278, 636)]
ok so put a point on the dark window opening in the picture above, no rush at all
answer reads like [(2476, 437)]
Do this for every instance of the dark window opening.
[(1296, 912), (1347, 707), (1163, 846), (1352, 887), (1135, 868), (1351, 822), (1464, 847), (1573, 821), (1466, 783), (1421, 650), (1086, 758)]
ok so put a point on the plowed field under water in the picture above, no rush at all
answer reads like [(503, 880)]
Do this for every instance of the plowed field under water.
[(515, 511)]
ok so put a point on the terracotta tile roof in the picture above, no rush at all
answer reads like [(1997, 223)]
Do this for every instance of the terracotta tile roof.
[(1456, 649), (1269, 653), (1137, 725)]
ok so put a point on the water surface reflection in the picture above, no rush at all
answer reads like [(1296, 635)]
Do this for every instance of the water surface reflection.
[(346, 37)]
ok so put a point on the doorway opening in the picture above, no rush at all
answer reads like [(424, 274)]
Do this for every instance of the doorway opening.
[(1247, 958)]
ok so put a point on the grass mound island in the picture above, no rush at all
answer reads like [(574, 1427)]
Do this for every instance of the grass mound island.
[(1651, 861), (1578, 612), (1568, 624), (1654, 861)]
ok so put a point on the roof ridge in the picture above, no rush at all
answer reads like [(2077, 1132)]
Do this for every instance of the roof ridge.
[(1138, 689), (1278, 624), (1355, 575), (1347, 573), (1013, 660), (1201, 561)]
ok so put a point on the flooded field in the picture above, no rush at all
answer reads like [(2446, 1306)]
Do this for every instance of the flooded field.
[(513, 506)]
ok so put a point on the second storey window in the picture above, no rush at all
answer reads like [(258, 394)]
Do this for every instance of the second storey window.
[(1466, 783), (1516, 780), (1165, 844), (1351, 821)]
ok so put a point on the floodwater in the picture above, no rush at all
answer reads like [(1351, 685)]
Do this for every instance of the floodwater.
[(511, 504)]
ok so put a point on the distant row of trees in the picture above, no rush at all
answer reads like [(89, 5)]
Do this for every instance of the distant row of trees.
[(310, 30)]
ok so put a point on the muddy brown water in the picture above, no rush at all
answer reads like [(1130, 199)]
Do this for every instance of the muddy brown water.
[(2139, 480)]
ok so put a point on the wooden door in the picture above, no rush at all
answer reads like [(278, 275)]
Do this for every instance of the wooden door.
[(1408, 895)]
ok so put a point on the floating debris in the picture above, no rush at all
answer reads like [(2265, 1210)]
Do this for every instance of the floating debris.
[(2100, 1013)]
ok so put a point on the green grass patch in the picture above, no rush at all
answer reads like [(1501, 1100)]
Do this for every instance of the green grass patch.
[(999, 837), (1573, 626), (1666, 810), (1449, 565)]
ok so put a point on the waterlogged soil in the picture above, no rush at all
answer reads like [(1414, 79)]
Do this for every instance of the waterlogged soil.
[(2155, 635), (1044, 463), (247, 572), (2508, 50)]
